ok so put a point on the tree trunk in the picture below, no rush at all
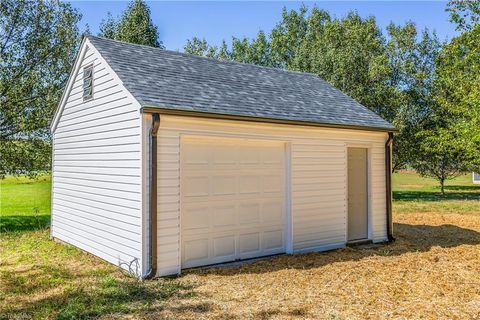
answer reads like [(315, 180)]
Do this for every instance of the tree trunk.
[(442, 186)]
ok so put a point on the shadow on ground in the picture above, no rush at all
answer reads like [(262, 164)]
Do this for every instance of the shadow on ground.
[(464, 188), (24, 223), (419, 196), (86, 300), (48, 289), (409, 238), (94, 294), (424, 237)]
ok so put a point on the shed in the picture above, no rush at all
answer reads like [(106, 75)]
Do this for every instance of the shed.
[(475, 178), (164, 161)]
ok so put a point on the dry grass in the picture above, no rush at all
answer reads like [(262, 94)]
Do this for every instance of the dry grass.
[(432, 271)]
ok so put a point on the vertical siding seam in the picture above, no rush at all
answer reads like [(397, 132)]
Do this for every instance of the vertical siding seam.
[(179, 216)]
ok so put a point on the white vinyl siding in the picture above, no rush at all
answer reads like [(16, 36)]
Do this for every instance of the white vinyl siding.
[(97, 169), (318, 169)]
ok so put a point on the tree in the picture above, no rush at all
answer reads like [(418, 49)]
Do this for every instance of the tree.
[(200, 47), (412, 72), (440, 157), (108, 27), (134, 26), (197, 46), (392, 78), (38, 41), (350, 54), (257, 51), (450, 138), (466, 14), (287, 37), (458, 92)]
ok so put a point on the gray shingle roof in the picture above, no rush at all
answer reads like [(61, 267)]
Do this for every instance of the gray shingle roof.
[(177, 81)]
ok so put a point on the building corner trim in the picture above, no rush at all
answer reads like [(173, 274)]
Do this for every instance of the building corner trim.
[(388, 184)]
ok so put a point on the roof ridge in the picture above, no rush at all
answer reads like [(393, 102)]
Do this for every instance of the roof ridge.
[(206, 58)]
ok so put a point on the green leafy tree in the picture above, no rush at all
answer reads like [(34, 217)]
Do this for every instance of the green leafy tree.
[(222, 52), (108, 27), (448, 143), (200, 47), (466, 14), (412, 74), (259, 51), (439, 156), (38, 42), (350, 54), (256, 51), (458, 92), (197, 46), (134, 26), (288, 35), (393, 78)]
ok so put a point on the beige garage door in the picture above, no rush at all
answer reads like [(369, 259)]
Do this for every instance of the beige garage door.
[(232, 199)]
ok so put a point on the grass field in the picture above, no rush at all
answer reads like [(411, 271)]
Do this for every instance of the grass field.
[(416, 194), (431, 271), (25, 204)]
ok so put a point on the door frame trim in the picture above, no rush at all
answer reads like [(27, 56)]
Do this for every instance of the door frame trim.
[(288, 241), (368, 147)]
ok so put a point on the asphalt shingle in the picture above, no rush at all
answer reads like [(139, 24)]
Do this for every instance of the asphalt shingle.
[(184, 82)]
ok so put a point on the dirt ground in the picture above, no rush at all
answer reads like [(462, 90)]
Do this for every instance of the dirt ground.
[(432, 271)]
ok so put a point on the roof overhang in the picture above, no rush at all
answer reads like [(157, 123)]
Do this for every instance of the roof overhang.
[(209, 115)]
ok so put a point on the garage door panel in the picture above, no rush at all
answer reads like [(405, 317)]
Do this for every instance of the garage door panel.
[(235, 205), (224, 215), (273, 211), (224, 246), (195, 249), (249, 184), (249, 156), (210, 198), (196, 154), (272, 183), (272, 156), (196, 186), (196, 217), (223, 185), (273, 240), (249, 212), (249, 243), (224, 155)]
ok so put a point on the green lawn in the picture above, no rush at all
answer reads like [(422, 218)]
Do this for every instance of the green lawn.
[(25, 203), (412, 193), (43, 279)]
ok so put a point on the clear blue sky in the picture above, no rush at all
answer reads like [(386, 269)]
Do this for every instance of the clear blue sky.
[(215, 21)]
